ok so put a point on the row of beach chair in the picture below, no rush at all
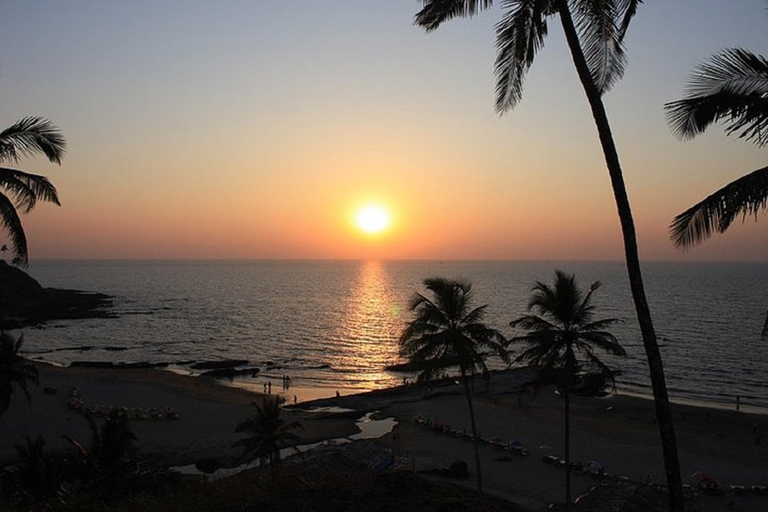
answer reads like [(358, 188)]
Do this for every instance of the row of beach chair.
[(514, 446), (77, 403)]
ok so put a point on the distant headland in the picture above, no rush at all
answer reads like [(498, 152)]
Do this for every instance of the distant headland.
[(24, 302)]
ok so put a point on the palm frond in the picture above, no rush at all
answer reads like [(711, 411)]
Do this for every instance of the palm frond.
[(519, 36), (11, 223), (731, 87), (435, 12), (532, 323), (32, 135), (603, 340), (475, 316), (627, 9), (744, 196), (599, 325), (601, 39), (27, 188)]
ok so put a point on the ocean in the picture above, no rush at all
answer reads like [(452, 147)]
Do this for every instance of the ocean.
[(334, 325)]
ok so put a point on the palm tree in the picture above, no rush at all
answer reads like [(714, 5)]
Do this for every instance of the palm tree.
[(268, 434), (15, 371), (20, 190), (445, 333), (594, 31), (108, 463), (561, 326), (36, 482), (731, 87)]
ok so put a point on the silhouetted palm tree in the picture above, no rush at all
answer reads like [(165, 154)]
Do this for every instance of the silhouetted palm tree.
[(594, 31), (108, 463), (36, 482), (15, 371), (731, 87), (561, 326), (20, 190), (446, 333), (267, 433)]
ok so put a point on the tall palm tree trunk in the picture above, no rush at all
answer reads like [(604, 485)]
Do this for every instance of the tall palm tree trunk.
[(568, 383), (567, 450), (655, 366), (475, 439)]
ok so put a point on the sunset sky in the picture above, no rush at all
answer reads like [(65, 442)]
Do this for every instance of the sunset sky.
[(258, 129)]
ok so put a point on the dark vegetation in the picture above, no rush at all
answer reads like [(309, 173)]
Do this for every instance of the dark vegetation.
[(251, 491)]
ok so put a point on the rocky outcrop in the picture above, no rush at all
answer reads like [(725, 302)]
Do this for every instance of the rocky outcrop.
[(24, 302)]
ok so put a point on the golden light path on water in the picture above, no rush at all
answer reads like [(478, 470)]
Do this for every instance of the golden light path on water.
[(370, 328)]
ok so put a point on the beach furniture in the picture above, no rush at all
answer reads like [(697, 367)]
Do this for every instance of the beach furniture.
[(738, 490)]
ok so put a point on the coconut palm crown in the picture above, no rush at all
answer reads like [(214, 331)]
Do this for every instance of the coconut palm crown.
[(731, 88), (563, 326), (15, 371), (446, 333), (19, 190)]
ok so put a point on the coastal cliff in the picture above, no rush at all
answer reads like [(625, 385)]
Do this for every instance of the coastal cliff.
[(24, 302)]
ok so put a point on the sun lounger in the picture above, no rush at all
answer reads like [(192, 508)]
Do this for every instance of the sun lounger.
[(739, 490)]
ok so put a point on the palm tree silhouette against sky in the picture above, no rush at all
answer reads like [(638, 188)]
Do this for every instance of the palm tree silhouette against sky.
[(732, 88), (561, 326), (594, 31), (19, 190), (15, 371), (445, 332)]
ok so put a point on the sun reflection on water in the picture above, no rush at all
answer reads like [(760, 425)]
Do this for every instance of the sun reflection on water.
[(369, 328)]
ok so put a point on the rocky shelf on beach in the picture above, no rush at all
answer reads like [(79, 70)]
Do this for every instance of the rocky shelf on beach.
[(24, 302)]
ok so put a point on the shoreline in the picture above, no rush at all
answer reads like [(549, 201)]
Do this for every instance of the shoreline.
[(307, 392)]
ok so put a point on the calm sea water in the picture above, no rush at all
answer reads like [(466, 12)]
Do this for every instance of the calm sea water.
[(335, 324)]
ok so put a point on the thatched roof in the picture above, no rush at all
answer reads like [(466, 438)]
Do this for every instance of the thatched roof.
[(333, 462)]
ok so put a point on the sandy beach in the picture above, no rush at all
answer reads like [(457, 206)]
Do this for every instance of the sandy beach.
[(617, 431)]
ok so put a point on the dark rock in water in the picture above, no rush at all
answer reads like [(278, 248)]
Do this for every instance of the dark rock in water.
[(24, 302), (92, 364), (117, 366), (230, 373), (215, 365), (139, 365)]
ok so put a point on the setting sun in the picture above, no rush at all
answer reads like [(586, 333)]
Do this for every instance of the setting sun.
[(372, 219)]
